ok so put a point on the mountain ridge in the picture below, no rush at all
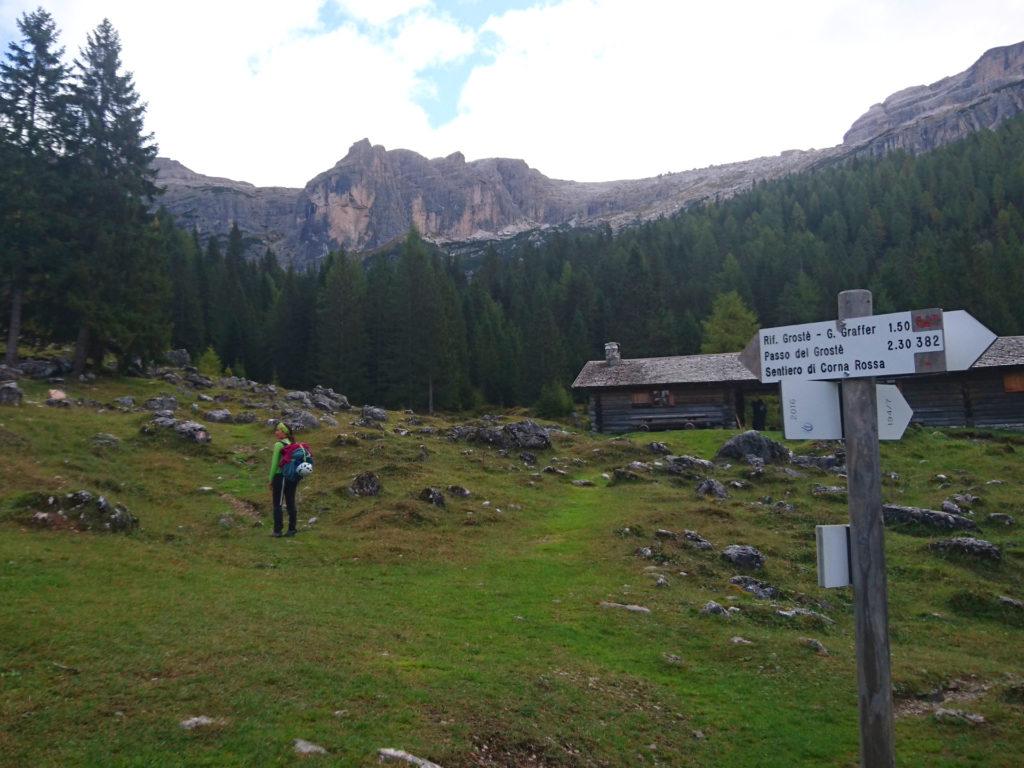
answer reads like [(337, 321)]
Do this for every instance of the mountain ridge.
[(373, 195)]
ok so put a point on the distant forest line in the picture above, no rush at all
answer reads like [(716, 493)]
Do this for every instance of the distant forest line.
[(84, 261)]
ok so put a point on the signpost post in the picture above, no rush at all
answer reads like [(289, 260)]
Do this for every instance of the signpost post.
[(815, 363)]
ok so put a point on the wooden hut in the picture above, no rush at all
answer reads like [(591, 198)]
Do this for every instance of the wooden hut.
[(665, 392), (694, 391)]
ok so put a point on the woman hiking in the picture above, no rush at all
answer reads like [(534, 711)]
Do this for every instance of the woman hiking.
[(279, 486)]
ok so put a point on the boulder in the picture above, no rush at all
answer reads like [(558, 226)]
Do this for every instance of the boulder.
[(711, 487), (221, 416), (967, 546), (744, 556), (759, 589), (527, 435), (10, 393), (161, 403), (300, 397), (85, 511), (958, 717), (896, 514), (298, 419), (1001, 518), (711, 608), (951, 508), (125, 402), (679, 465), (193, 431), (833, 463), (695, 540), (460, 491), (365, 484), (178, 357), (198, 381), (753, 443), (622, 475), (659, 448), (374, 413), (43, 369), (326, 399), (1010, 602), (433, 496)]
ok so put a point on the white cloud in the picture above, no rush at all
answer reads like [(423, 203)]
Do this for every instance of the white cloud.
[(587, 89)]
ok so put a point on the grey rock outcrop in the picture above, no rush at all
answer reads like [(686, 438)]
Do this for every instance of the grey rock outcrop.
[(374, 413), (967, 546), (365, 484), (433, 496), (84, 511), (759, 589), (711, 487), (161, 403), (895, 514), (744, 556), (753, 443)]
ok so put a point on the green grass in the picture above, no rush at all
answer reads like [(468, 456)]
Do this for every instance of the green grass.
[(469, 635)]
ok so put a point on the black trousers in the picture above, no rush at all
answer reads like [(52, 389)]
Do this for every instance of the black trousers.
[(286, 488)]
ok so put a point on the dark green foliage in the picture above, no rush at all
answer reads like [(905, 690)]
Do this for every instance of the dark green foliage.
[(554, 402)]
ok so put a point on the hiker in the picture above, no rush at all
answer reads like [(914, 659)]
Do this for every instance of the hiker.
[(279, 486), (760, 414)]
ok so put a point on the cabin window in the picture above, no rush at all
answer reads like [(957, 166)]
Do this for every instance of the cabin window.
[(1013, 382), (652, 398)]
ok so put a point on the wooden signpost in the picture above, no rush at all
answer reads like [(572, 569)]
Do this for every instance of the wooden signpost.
[(808, 360)]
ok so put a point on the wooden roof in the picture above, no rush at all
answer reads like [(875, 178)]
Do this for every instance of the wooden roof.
[(1005, 350), (644, 371), (726, 367)]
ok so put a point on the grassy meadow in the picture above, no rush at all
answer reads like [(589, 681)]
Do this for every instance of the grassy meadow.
[(473, 635)]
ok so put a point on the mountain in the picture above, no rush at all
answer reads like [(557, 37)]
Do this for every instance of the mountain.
[(372, 195)]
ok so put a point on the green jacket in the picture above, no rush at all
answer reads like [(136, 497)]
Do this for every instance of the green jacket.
[(276, 459)]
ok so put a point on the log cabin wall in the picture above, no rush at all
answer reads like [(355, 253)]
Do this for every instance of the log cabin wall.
[(696, 406), (983, 397)]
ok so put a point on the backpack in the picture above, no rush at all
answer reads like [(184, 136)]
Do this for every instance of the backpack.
[(292, 455)]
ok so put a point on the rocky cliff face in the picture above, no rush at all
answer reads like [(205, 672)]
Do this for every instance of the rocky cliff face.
[(373, 196), (927, 116)]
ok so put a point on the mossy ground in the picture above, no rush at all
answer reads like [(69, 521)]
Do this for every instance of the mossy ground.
[(472, 635)]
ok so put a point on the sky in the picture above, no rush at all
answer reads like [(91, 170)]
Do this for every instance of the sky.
[(274, 92)]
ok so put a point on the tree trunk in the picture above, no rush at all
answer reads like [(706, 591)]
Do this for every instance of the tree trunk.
[(430, 395), (81, 351), (14, 328)]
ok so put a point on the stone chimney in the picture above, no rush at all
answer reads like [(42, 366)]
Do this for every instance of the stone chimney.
[(611, 353)]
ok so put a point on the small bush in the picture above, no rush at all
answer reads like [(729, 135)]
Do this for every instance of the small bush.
[(209, 363), (554, 402)]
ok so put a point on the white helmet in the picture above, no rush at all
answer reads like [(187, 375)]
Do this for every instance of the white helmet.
[(305, 469)]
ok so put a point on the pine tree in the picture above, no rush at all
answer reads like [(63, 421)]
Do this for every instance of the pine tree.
[(730, 325), (33, 132), (342, 345)]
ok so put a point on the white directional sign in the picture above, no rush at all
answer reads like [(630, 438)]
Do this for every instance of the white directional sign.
[(966, 339), (894, 412), (810, 411), (875, 345)]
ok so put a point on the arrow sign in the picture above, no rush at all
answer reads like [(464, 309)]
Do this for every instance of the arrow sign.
[(894, 412), (860, 347), (966, 340), (811, 411)]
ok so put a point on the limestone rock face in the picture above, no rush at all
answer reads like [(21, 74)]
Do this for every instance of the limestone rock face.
[(924, 117), (372, 196)]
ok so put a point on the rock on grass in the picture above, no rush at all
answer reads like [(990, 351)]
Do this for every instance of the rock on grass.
[(967, 546)]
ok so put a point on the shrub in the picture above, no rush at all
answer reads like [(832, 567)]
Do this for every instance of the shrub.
[(554, 402), (209, 363)]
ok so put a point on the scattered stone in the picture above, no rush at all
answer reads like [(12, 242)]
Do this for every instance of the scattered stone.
[(678, 465), (399, 756), (759, 589), (245, 417), (784, 506), (193, 431), (695, 540), (753, 443), (303, 747), (204, 398), (744, 556), (528, 458), (895, 514), (220, 416), (524, 434), (645, 552), (105, 440), (966, 500), (713, 608), (1009, 602), (583, 483), (375, 413), (178, 357), (995, 482), (10, 393), (1001, 518), (737, 640), (951, 508), (814, 645), (460, 491), (125, 402), (161, 403), (739, 485), (832, 463), (630, 608), (659, 448), (958, 717), (554, 471), (365, 484), (828, 491), (969, 547), (56, 394), (82, 510), (672, 659), (297, 420), (199, 381), (204, 489), (941, 479), (793, 613), (433, 496), (662, 533), (661, 580), (621, 475), (711, 487), (7, 373)]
